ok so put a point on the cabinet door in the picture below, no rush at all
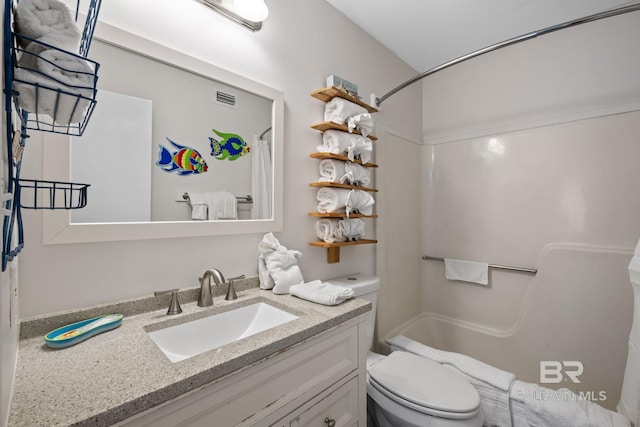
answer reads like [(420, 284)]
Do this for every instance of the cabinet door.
[(338, 408)]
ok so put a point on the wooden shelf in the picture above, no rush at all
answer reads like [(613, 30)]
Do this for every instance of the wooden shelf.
[(333, 249), (328, 93), (325, 126), (345, 186), (322, 156), (340, 215)]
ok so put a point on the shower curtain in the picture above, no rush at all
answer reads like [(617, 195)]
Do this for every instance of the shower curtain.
[(261, 178)]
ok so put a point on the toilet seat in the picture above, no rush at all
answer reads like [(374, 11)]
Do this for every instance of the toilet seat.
[(424, 386)]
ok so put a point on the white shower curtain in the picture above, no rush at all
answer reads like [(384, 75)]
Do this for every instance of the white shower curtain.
[(261, 178)]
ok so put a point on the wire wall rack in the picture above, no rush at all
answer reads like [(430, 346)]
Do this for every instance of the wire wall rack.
[(47, 89)]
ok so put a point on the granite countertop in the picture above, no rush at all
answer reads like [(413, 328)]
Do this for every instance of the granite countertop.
[(122, 372)]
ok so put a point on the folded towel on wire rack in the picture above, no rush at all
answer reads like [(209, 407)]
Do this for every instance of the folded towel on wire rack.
[(338, 110), (321, 292), (54, 82), (39, 18)]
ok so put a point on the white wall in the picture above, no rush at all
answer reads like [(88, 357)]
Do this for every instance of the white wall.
[(535, 165), (295, 52)]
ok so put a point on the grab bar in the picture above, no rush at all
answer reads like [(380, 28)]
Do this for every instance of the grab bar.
[(496, 266), (241, 199)]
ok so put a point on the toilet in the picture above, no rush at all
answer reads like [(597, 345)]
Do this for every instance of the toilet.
[(406, 390)]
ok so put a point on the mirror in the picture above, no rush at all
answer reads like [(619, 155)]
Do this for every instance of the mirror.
[(154, 102)]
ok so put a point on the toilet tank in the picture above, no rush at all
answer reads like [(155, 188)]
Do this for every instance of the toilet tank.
[(365, 287)]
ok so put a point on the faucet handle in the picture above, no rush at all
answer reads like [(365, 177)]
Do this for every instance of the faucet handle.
[(231, 292), (174, 306)]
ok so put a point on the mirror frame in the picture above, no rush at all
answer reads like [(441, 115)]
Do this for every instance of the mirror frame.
[(57, 225)]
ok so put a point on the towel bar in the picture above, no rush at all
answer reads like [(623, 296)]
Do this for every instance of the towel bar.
[(499, 267), (241, 199)]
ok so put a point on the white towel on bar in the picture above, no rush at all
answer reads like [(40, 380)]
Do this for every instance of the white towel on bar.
[(338, 110), (198, 202), (321, 292), (466, 271), (219, 205)]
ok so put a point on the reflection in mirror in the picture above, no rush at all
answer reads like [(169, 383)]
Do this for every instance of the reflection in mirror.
[(159, 133), (164, 135)]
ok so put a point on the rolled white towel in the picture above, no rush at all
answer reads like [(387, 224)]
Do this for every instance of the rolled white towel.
[(360, 148), (39, 18), (335, 142), (361, 122), (321, 292), (332, 199), (355, 174), (65, 83), (331, 170), (327, 230), (359, 201), (338, 110), (351, 229), (283, 269)]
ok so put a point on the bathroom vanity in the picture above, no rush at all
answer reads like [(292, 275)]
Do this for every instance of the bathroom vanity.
[(309, 371)]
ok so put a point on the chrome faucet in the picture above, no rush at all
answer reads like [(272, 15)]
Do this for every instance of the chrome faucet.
[(205, 299)]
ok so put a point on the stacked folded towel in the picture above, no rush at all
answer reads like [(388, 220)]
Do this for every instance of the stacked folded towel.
[(65, 81), (342, 200), (277, 266), (338, 110), (332, 170), (321, 292), (334, 230), (213, 205), (356, 147)]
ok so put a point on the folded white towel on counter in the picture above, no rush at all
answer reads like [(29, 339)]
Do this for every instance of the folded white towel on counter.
[(65, 82), (359, 201), (338, 110), (331, 170), (355, 174), (332, 199), (351, 229), (466, 271), (39, 18), (361, 122), (283, 269), (321, 292), (327, 230), (361, 149), (277, 266)]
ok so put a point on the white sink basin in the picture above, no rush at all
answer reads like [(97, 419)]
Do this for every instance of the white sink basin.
[(197, 336)]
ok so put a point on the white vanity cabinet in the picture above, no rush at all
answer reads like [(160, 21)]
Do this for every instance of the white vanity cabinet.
[(318, 382)]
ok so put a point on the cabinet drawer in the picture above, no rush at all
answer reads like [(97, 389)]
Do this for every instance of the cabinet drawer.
[(340, 406)]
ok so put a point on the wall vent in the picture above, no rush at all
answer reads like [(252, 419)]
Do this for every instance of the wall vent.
[(227, 99)]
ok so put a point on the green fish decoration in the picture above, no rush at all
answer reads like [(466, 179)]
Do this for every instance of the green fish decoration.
[(230, 146)]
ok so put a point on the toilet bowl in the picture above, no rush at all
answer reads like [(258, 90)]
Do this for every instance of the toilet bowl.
[(406, 390)]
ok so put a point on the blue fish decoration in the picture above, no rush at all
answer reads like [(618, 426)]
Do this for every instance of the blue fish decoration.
[(230, 146), (185, 160)]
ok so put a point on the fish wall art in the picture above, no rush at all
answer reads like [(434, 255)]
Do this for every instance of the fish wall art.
[(229, 146), (184, 160)]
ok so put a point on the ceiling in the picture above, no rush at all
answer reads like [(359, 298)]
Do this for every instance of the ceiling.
[(428, 33)]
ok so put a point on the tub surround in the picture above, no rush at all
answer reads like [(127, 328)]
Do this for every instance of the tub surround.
[(120, 373)]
